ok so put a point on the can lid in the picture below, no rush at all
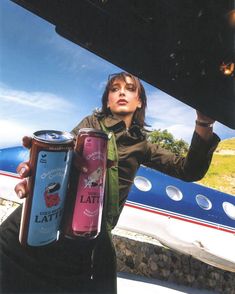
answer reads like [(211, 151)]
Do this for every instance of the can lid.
[(96, 132), (52, 136)]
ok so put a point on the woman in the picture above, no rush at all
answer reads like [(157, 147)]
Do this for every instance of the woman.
[(90, 266)]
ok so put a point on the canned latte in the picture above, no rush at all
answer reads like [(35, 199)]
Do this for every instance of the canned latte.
[(50, 160), (86, 217)]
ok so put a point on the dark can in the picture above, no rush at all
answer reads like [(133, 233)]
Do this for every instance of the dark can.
[(86, 214), (50, 161)]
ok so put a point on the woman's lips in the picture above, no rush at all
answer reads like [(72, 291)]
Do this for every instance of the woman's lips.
[(122, 102)]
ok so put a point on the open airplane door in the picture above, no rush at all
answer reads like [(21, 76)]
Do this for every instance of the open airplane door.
[(186, 48)]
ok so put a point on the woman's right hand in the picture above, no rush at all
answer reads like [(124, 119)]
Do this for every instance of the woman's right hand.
[(23, 170)]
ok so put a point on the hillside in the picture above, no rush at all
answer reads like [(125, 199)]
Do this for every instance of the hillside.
[(221, 174), (228, 144)]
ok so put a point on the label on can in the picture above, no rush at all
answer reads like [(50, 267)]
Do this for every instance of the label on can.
[(89, 200), (49, 196)]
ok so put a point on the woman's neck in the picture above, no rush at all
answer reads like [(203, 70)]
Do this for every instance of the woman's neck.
[(127, 118)]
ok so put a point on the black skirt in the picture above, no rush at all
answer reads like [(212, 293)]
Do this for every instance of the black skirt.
[(67, 266)]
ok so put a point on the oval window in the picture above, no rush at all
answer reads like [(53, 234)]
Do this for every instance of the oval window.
[(203, 202), (174, 193), (229, 209), (142, 183)]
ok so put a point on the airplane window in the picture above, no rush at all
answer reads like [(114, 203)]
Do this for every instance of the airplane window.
[(203, 202), (174, 193), (142, 183), (229, 209)]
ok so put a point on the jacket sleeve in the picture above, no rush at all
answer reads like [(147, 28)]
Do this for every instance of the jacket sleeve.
[(191, 168)]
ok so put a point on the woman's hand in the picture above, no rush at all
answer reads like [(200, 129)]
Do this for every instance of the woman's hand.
[(204, 126), (23, 170), (203, 118)]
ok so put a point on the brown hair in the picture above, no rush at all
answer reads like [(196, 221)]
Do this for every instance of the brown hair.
[(139, 115)]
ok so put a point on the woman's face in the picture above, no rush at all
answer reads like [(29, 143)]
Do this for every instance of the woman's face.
[(123, 97)]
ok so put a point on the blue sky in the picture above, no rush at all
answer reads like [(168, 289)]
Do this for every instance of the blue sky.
[(47, 82)]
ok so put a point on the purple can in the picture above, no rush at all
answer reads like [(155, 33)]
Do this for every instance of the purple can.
[(86, 215)]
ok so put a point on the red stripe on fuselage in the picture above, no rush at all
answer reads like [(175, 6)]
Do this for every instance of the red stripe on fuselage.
[(179, 218), (11, 175)]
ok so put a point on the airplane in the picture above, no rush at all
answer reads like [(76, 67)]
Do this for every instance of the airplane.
[(186, 217)]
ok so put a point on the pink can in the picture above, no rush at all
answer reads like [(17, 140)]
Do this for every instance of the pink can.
[(86, 220)]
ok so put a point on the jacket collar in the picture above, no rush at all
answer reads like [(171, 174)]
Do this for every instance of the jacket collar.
[(114, 124), (117, 125)]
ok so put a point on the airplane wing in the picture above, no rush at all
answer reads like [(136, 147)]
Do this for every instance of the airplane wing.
[(183, 47)]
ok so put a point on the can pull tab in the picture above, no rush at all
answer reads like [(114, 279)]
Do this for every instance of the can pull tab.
[(54, 136)]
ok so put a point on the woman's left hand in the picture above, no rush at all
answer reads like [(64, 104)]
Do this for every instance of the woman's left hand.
[(203, 118), (204, 126)]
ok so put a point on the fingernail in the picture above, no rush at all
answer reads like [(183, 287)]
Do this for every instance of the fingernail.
[(22, 170), (84, 169), (20, 194)]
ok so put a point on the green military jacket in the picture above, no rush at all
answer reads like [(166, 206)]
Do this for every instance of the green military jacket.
[(134, 150)]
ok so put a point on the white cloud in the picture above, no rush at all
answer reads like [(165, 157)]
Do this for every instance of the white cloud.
[(41, 100), (22, 113), (165, 112), (11, 133)]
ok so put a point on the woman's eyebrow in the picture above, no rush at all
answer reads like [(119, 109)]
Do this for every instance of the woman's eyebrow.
[(115, 84)]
